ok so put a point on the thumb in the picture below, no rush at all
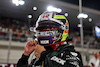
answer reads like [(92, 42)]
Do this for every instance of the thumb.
[(35, 46)]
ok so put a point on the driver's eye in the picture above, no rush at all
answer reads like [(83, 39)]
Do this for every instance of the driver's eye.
[(47, 28), (50, 28)]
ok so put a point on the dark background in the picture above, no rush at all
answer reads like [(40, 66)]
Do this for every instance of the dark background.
[(91, 7)]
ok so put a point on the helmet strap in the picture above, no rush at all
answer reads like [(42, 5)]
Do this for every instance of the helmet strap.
[(55, 46)]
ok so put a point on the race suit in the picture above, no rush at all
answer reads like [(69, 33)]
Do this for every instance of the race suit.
[(63, 56)]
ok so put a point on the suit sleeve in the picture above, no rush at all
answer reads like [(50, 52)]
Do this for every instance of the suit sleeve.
[(23, 61), (43, 55), (81, 62), (74, 63)]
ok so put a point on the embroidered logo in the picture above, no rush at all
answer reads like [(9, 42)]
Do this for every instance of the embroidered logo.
[(58, 60)]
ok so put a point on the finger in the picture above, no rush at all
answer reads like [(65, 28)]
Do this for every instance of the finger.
[(37, 54), (28, 43), (36, 47), (33, 43)]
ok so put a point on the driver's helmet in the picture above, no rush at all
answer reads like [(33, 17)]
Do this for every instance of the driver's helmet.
[(52, 38)]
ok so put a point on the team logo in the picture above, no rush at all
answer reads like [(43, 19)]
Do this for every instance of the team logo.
[(46, 16)]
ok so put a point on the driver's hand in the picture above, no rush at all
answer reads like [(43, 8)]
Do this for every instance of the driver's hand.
[(30, 47), (38, 50)]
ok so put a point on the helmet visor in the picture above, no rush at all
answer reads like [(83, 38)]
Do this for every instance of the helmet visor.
[(47, 24)]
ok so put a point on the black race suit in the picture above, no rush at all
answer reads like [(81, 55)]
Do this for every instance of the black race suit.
[(64, 56)]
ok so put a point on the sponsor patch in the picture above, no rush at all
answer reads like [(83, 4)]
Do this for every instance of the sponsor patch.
[(58, 60), (44, 41)]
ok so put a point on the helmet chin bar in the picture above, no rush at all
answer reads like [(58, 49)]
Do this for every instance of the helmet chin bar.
[(54, 46)]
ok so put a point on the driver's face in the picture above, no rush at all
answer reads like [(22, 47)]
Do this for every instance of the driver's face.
[(48, 29)]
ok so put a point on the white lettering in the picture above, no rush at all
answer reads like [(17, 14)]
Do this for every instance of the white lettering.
[(3, 65), (11, 65), (58, 60), (44, 41), (7, 65), (72, 58), (75, 63), (74, 54), (46, 33)]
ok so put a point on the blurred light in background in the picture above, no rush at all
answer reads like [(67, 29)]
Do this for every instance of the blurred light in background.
[(15, 2), (79, 25), (18, 2), (51, 8), (66, 14), (34, 8), (82, 15), (29, 16), (32, 29), (90, 19), (97, 31), (21, 2)]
